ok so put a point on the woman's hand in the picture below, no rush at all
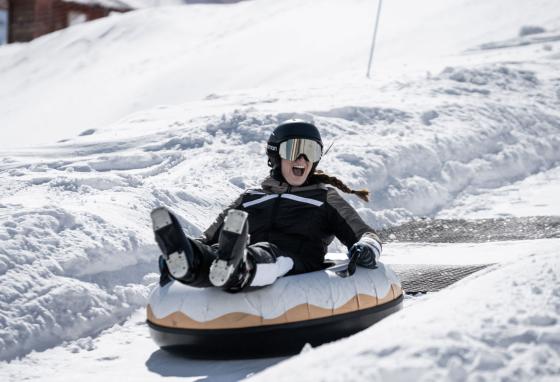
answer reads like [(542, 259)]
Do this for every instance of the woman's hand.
[(368, 251)]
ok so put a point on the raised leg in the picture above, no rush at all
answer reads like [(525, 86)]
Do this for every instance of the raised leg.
[(227, 269), (174, 245)]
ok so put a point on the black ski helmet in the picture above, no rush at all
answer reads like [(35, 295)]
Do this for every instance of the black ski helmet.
[(292, 128)]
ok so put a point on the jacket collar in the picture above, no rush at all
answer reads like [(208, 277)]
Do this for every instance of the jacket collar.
[(278, 187)]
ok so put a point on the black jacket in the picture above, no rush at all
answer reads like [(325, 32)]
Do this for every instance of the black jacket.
[(301, 221)]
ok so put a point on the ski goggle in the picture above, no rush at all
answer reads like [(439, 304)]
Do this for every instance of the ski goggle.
[(293, 148)]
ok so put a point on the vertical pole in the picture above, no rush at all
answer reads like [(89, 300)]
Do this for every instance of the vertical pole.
[(379, 2)]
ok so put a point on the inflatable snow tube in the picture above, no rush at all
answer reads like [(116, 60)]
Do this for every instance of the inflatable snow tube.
[(279, 319)]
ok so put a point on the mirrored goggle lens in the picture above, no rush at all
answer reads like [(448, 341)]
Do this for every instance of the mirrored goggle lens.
[(293, 148)]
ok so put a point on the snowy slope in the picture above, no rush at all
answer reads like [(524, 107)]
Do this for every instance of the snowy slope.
[(75, 216), (514, 335), (517, 337), (95, 73), (534, 195), (477, 138), (125, 352)]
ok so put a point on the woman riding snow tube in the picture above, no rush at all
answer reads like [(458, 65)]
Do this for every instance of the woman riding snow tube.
[(224, 294)]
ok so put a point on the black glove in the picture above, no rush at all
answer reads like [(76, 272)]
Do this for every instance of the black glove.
[(368, 251)]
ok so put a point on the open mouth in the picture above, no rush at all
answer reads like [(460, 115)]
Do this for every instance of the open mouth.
[(298, 170)]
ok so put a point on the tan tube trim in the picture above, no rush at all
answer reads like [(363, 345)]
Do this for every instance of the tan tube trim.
[(300, 312), (397, 290)]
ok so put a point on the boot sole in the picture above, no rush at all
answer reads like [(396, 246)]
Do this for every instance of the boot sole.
[(222, 268), (235, 221), (168, 242), (234, 224), (220, 272)]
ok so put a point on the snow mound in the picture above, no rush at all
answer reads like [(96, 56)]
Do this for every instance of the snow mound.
[(534, 195), (46, 259), (514, 336)]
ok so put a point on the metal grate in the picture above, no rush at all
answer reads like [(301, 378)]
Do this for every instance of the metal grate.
[(423, 278)]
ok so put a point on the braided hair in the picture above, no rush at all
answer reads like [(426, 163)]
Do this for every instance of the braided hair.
[(320, 177)]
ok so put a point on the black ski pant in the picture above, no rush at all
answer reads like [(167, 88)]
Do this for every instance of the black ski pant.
[(258, 253)]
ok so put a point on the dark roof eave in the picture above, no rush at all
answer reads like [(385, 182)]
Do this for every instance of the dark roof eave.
[(123, 9)]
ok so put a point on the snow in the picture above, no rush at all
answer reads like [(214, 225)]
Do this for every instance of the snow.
[(514, 336), (536, 195), (466, 253), (172, 106), (124, 353), (168, 55), (516, 308)]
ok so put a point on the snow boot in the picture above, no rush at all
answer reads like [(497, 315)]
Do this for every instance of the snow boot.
[(164, 276), (174, 245), (230, 270)]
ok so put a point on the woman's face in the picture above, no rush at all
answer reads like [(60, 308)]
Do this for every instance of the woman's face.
[(296, 172)]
